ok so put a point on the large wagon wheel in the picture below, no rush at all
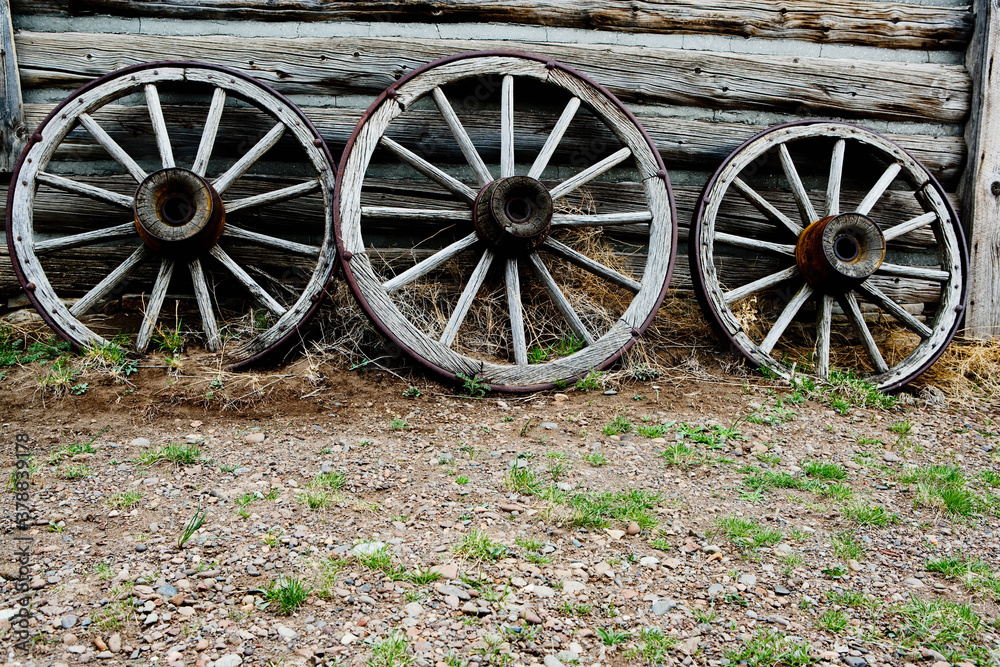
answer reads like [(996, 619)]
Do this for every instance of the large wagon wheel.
[(170, 194), (822, 247), (521, 245)]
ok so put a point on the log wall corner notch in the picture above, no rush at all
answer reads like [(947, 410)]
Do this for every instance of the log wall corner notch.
[(13, 132)]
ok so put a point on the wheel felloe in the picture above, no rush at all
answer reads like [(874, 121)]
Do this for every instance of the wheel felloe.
[(178, 213), (839, 252)]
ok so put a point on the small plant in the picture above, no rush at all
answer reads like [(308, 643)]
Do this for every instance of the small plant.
[(620, 424), (590, 382), (422, 577), (289, 593), (596, 459), (840, 492), (125, 500), (462, 479), (333, 480), (902, 428), (557, 469), (823, 470), (770, 647), (835, 571), (654, 646), (869, 515), (315, 499), (651, 430), (747, 534), (103, 570), (951, 629), (192, 525), (522, 480), (477, 545), (845, 546), (597, 510), (79, 389), (179, 453), (77, 471), (412, 392), (473, 386), (832, 620)]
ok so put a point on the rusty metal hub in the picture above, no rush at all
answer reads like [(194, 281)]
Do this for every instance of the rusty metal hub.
[(513, 215), (839, 252), (178, 213)]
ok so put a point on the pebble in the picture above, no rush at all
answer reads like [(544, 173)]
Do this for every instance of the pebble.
[(913, 582), (711, 549), (661, 607), (649, 561), (228, 660), (140, 442), (748, 579), (166, 591), (68, 621), (286, 632), (781, 590), (253, 439), (450, 589), (854, 661), (715, 589), (552, 661), (115, 643), (633, 528)]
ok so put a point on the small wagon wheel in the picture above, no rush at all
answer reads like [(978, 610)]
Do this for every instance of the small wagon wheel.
[(521, 245), (822, 247), (207, 194)]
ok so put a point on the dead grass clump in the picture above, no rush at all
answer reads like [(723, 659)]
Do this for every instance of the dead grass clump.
[(968, 368)]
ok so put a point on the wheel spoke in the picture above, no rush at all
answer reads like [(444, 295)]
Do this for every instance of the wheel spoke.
[(267, 142), (584, 262), (754, 244), (761, 284), (156, 297), (787, 315), (430, 171), (562, 303), (601, 219), (110, 281), (902, 228), (112, 147), (465, 300), (894, 309), (251, 285), (590, 173), (918, 272), (425, 214), (271, 241), (765, 207), (429, 264), (207, 142), (552, 142), (884, 181), (86, 238), (472, 156), (204, 298), (507, 127), (850, 305), (85, 189), (823, 320), (273, 197), (159, 126), (806, 210), (513, 283), (836, 176)]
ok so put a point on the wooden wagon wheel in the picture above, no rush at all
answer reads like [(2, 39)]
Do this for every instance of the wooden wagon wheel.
[(820, 247), (172, 193), (549, 224)]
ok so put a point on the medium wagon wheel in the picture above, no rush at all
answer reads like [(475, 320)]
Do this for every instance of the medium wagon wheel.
[(172, 200), (524, 245), (822, 247)]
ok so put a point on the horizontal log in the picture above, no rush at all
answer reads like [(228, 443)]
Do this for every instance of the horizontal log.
[(849, 88), (882, 24)]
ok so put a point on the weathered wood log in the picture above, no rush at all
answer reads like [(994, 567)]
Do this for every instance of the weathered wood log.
[(881, 24), (13, 131), (897, 91)]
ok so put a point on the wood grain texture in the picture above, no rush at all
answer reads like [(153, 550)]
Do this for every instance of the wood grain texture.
[(13, 132)]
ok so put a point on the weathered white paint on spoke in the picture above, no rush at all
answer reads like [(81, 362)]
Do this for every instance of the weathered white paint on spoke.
[(159, 126), (467, 297), (273, 197), (251, 285), (110, 281), (472, 156), (824, 316), (761, 284), (765, 207), (897, 311), (426, 266), (85, 189), (908, 226), (507, 127), (754, 244), (425, 214), (560, 300), (552, 142), (152, 311), (112, 147), (513, 283), (919, 272), (207, 142), (267, 142), (86, 238), (806, 210), (786, 317), (836, 177), (590, 173), (234, 232), (849, 303), (601, 219), (430, 171), (588, 264), (883, 183), (204, 297)]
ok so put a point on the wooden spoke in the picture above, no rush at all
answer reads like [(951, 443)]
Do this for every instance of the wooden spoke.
[(823, 319), (234, 232), (427, 265), (552, 142), (850, 305), (836, 176), (918, 272), (507, 127), (273, 197), (159, 126), (600, 219), (208, 323), (765, 207), (472, 156), (590, 173), (806, 210), (908, 226), (884, 181), (465, 300), (761, 284), (112, 147), (897, 311), (207, 142), (588, 264), (754, 244), (513, 283), (267, 142), (85, 189), (787, 315), (152, 312), (430, 171), (424, 214), (110, 281), (562, 303), (86, 238), (251, 285)]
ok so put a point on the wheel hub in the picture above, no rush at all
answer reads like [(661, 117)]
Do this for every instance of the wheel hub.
[(839, 252), (513, 215), (178, 213)]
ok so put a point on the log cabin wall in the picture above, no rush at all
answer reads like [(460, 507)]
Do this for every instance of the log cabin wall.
[(702, 77)]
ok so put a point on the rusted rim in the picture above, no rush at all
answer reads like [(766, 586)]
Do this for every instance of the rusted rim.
[(389, 93), (697, 269)]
